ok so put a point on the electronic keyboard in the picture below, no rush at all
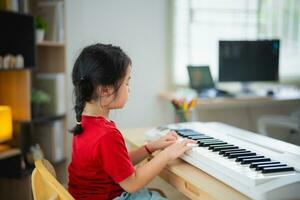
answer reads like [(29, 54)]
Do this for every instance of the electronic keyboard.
[(258, 166)]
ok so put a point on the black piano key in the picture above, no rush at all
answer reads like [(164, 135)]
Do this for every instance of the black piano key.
[(218, 144), (253, 165), (221, 144), (230, 150), (241, 158), (261, 167), (204, 138), (251, 160), (183, 130), (195, 137), (186, 132), (225, 147), (189, 135), (235, 155), (207, 143), (277, 169)]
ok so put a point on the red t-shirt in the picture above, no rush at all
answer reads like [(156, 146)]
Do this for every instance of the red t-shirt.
[(99, 161)]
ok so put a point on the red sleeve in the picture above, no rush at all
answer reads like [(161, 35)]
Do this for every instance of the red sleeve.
[(114, 157)]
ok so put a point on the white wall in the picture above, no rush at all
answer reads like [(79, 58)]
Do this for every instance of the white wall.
[(140, 27)]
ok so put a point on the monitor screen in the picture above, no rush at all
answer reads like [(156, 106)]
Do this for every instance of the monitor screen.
[(247, 61), (200, 77), (17, 36)]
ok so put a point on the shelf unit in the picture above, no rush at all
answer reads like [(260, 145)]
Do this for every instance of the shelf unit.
[(51, 44), (15, 90)]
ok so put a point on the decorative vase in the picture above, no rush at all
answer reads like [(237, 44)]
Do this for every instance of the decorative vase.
[(40, 34)]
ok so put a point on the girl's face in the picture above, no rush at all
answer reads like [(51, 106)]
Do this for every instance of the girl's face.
[(122, 93)]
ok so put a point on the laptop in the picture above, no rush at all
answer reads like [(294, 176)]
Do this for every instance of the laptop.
[(201, 81)]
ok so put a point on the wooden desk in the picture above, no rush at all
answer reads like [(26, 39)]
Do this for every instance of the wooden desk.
[(191, 181), (241, 112)]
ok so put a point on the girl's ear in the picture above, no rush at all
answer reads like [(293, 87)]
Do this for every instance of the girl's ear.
[(104, 91)]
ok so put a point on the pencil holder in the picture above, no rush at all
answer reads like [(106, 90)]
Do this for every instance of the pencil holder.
[(185, 115)]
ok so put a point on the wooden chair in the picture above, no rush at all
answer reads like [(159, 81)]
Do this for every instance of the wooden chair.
[(44, 183), (46, 187)]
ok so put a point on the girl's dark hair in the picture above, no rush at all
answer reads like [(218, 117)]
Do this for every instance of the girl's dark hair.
[(97, 64)]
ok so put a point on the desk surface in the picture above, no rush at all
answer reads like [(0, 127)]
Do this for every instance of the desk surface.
[(191, 181), (207, 103)]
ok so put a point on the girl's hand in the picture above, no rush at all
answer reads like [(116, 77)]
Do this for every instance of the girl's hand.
[(163, 142), (177, 149)]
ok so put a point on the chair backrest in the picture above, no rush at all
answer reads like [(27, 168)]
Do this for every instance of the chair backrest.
[(44, 183)]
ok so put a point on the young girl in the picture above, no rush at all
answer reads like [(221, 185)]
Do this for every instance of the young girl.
[(101, 167)]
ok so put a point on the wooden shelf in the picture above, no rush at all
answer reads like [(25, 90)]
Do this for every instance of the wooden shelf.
[(50, 44), (15, 69)]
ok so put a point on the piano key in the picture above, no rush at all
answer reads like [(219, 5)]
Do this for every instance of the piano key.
[(235, 155), (189, 134), (260, 167), (277, 169), (230, 150), (220, 144), (251, 160), (241, 158), (253, 165), (183, 130), (207, 141), (216, 144), (225, 147), (206, 144), (195, 137), (205, 138)]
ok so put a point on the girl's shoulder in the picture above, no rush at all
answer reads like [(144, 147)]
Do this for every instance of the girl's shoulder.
[(108, 131)]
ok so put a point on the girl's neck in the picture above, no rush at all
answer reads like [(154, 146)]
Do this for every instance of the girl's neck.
[(95, 110)]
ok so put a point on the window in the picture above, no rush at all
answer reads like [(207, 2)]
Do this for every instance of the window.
[(200, 24)]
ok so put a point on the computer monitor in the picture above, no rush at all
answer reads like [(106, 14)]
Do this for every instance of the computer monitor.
[(248, 61), (17, 36), (200, 78)]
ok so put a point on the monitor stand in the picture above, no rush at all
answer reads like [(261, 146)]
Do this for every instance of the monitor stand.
[(246, 91), (246, 88)]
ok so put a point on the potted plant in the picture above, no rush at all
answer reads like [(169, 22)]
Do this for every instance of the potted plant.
[(38, 98), (41, 27)]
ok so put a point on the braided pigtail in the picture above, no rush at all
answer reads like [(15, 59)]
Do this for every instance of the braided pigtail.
[(79, 106)]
